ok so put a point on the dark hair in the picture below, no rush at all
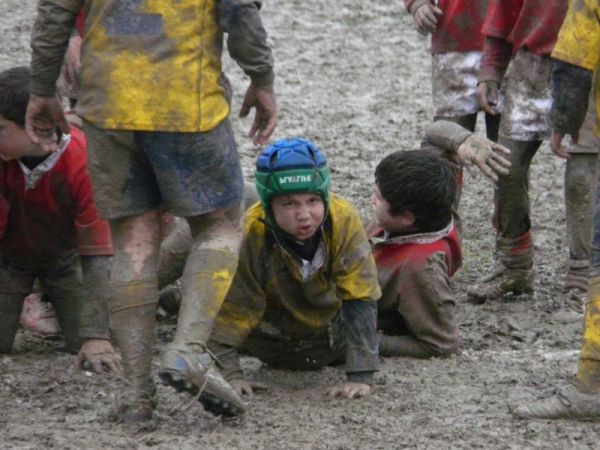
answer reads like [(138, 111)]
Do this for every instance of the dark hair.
[(419, 181), (14, 94)]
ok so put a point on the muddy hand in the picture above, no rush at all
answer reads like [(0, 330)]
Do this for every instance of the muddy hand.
[(43, 115), (265, 119), (350, 390), (488, 156), (556, 144), (247, 387), (487, 94), (98, 355), (426, 18)]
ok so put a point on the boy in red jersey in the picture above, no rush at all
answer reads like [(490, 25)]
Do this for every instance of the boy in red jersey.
[(50, 230), (415, 241), (520, 35)]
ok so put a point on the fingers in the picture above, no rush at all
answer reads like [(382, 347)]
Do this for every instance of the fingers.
[(245, 109), (556, 145), (485, 101), (350, 390), (113, 363), (426, 18), (266, 129)]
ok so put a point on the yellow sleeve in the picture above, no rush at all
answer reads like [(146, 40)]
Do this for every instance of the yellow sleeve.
[(579, 37)]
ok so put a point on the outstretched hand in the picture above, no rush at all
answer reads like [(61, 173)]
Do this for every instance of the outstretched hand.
[(247, 387), (426, 18), (99, 355), (44, 115), (488, 156), (350, 390), (265, 118)]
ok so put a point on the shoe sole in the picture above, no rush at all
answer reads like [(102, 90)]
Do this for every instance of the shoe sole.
[(209, 401)]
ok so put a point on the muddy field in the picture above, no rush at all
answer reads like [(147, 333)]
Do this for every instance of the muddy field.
[(353, 76)]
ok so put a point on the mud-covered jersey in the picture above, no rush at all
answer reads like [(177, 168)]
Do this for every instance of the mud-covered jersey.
[(579, 37), (55, 214), (130, 53), (578, 45), (459, 28), (417, 303), (269, 287)]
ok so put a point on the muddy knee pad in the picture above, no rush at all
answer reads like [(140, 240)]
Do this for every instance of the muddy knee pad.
[(10, 311)]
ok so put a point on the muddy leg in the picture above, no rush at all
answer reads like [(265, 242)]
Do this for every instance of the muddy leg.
[(15, 285), (513, 271), (132, 307), (207, 276), (580, 189)]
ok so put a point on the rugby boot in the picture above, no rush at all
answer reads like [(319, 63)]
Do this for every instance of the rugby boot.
[(580, 401), (185, 364), (566, 403), (132, 329), (196, 372), (512, 273)]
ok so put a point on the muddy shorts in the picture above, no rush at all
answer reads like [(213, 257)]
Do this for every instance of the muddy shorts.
[(528, 96), (188, 173), (454, 83)]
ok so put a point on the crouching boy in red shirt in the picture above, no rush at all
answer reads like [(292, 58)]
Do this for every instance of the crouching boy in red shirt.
[(50, 230)]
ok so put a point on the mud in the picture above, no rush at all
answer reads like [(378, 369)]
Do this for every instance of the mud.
[(355, 77)]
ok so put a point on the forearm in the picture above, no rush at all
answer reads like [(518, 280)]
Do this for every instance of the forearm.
[(494, 61), (247, 40), (445, 135), (94, 307), (362, 346), (49, 41), (571, 87)]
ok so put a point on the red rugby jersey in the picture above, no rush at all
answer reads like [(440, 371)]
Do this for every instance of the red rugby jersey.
[(58, 215)]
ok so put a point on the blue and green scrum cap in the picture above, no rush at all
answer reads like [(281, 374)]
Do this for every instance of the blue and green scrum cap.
[(291, 166)]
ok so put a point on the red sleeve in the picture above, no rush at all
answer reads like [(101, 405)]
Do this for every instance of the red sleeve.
[(494, 60), (93, 233), (501, 17)]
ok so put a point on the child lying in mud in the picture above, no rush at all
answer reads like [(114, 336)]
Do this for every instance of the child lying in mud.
[(415, 241), (304, 295)]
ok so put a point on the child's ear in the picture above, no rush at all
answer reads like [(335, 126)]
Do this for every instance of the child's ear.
[(406, 218)]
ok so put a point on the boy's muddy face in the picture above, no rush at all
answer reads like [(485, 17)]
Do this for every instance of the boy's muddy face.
[(299, 215), (14, 141)]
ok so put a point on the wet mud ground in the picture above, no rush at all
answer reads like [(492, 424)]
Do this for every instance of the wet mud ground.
[(354, 77)]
